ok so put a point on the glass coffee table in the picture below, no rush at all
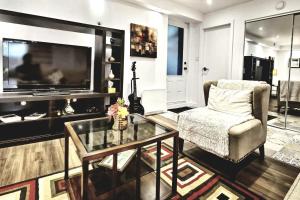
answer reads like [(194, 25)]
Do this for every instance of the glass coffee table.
[(94, 139)]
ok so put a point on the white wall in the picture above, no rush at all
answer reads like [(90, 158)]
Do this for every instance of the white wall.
[(283, 57), (119, 15), (259, 50), (111, 14), (239, 14)]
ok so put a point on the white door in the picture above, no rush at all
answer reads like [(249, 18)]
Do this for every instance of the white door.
[(177, 64), (217, 53)]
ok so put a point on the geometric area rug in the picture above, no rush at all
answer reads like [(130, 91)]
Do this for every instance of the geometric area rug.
[(53, 187), (20, 191), (219, 188), (197, 182), (50, 187), (194, 182)]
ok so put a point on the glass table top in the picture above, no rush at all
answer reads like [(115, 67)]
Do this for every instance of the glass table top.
[(97, 134)]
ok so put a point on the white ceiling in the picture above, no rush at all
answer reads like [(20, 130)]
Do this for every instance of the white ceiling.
[(275, 30), (202, 6)]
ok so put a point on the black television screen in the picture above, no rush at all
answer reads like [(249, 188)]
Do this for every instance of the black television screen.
[(29, 65)]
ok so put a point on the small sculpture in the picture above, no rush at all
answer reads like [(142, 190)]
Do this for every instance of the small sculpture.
[(111, 59), (68, 108), (111, 75)]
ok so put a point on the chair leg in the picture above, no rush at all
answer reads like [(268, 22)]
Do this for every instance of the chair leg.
[(233, 172), (180, 145), (262, 152)]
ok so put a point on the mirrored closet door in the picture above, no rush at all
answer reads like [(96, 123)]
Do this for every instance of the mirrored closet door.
[(272, 54)]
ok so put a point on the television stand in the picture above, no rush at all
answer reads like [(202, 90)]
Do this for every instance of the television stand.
[(87, 105), (51, 93)]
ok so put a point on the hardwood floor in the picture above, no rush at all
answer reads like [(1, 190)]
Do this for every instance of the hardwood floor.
[(269, 178), (29, 161)]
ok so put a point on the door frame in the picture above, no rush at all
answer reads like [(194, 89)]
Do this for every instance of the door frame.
[(185, 26)]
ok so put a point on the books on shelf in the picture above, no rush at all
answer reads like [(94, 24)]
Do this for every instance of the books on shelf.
[(10, 118), (124, 159), (35, 116)]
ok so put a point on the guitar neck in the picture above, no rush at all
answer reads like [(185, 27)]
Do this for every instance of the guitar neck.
[(134, 85)]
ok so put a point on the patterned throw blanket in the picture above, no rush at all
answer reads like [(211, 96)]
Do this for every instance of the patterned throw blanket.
[(199, 126)]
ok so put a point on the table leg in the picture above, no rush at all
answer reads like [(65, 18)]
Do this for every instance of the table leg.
[(175, 165), (114, 174), (84, 180), (137, 173), (66, 155), (105, 138), (158, 152)]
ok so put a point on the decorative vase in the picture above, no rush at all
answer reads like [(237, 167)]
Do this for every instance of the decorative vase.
[(120, 123), (111, 75), (111, 59)]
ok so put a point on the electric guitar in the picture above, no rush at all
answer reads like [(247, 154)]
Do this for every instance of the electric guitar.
[(135, 105)]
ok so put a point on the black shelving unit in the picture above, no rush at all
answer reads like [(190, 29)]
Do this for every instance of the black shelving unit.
[(89, 105), (260, 69), (52, 125), (117, 66)]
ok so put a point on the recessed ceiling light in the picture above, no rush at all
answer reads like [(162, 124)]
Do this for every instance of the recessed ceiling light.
[(209, 2), (260, 28), (277, 36)]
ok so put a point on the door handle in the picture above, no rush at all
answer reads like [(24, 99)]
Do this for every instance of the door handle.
[(204, 69)]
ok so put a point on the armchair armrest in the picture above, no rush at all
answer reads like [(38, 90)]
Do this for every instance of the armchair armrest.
[(245, 137)]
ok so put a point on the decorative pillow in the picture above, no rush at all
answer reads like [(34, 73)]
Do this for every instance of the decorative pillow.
[(236, 102)]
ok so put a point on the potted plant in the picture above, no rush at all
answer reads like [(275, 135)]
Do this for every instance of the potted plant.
[(119, 112)]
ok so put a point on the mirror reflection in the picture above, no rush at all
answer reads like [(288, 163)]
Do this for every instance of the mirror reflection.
[(272, 54)]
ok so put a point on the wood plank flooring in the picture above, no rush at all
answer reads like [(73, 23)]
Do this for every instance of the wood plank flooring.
[(29, 161), (269, 178)]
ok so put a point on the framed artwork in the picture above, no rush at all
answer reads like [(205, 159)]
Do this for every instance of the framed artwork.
[(295, 63), (143, 41)]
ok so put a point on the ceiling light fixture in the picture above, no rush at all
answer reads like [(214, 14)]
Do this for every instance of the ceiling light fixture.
[(209, 2), (260, 28), (277, 36)]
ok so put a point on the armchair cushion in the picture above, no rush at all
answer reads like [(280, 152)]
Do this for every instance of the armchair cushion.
[(199, 126)]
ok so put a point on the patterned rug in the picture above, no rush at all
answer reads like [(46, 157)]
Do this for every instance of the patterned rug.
[(194, 181), (190, 175), (219, 188), (20, 191), (149, 155), (197, 182), (53, 187)]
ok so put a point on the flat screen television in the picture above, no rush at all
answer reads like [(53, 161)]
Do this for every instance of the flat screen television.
[(33, 65)]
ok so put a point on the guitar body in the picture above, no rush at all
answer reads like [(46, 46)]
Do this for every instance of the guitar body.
[(135, 105)]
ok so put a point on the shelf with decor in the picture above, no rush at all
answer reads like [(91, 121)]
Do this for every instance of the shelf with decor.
[(51, 116), (114, 64)]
